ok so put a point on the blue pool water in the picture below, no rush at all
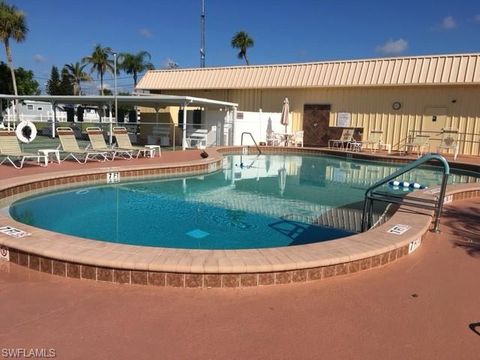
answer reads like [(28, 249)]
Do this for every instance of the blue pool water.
[(254, 202)]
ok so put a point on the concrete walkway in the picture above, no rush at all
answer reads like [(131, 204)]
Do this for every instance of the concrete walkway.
[(425, 306)]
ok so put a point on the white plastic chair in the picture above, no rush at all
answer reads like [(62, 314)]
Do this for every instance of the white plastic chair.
[(297, 138), (198, 139), (449, 141), (419, 142)]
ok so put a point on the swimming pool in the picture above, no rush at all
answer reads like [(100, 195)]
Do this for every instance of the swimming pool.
[(254, 202)]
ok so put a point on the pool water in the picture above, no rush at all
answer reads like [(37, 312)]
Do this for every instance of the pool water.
[(254, 202)]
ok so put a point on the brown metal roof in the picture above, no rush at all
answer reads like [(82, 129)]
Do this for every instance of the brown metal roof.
[(452, 69)]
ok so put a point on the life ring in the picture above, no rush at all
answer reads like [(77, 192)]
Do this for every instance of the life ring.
[(26, 131)]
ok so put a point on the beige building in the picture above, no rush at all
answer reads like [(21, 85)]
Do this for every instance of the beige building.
[(397, 95)]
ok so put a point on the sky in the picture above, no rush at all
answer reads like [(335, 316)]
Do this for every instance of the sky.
[(284, 31)]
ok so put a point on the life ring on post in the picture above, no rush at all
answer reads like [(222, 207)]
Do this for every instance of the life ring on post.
[(26, 132)]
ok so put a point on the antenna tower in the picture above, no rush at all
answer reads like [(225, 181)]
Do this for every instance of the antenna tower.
[(202, 36)]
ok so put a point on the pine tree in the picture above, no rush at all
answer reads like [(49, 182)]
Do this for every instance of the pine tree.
[(53, 84), (66, 84)]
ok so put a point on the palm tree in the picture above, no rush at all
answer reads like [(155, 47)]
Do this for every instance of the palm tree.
[(134, 64), (242, 42), (12, 26), (76, 73), (100, 62)]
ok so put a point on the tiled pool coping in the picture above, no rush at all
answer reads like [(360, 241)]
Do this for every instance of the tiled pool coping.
[(75, 257)]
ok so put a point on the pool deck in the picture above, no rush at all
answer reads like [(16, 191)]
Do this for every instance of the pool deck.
[(69, 256), (425, 307)]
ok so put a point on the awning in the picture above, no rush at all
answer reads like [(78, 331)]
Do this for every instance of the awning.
[(154, 101)]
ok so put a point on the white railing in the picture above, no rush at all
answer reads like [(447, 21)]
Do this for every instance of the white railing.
[(61, 116)]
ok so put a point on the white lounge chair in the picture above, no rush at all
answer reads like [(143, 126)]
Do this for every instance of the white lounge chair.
[(345, 139), (69, 145), (97, 142), (11, 151), (123, 142)]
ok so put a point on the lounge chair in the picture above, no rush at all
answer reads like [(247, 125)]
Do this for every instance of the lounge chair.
[(123, 142), (69, 145), (97, 142), (449, 141), (11, 151), (345, 139), (419, 142)]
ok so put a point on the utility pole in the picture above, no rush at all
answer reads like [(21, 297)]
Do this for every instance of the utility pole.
[(202, 35)]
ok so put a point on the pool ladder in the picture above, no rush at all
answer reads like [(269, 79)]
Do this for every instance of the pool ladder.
[(249, 133), (371, 195)]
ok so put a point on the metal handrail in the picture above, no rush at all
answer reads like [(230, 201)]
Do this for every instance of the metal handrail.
[(370, 194), (249, 133)]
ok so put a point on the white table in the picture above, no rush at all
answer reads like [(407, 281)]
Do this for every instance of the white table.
[(46, 154), (153, 148)]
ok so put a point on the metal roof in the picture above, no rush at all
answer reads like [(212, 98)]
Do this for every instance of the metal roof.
[(140, 100), (451, 69)]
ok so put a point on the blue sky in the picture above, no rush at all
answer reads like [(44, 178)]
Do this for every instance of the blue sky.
[(284, 31)]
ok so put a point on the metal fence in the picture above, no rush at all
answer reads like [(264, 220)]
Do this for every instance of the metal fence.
[(468, 143), (168, 135)]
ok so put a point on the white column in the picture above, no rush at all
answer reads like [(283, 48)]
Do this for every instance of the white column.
[(54, 118), (115, 85), (184, 135), (110, 140), (232, 135)]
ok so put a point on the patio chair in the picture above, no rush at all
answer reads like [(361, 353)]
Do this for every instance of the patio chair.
[(449, 141), (11, 151), (97, 142), (419, 142), (297, 138), (274, 139), (123, 142), (69, 145), (375, 141), (345, 139)]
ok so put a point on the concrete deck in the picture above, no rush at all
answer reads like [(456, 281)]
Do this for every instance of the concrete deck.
[(424, 307)]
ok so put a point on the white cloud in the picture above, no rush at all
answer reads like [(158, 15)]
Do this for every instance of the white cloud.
[(145, 33), (38, 58), (393, 47), (448, 23)]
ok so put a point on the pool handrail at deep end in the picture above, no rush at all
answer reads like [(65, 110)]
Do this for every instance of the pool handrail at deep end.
[(367, 205)]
